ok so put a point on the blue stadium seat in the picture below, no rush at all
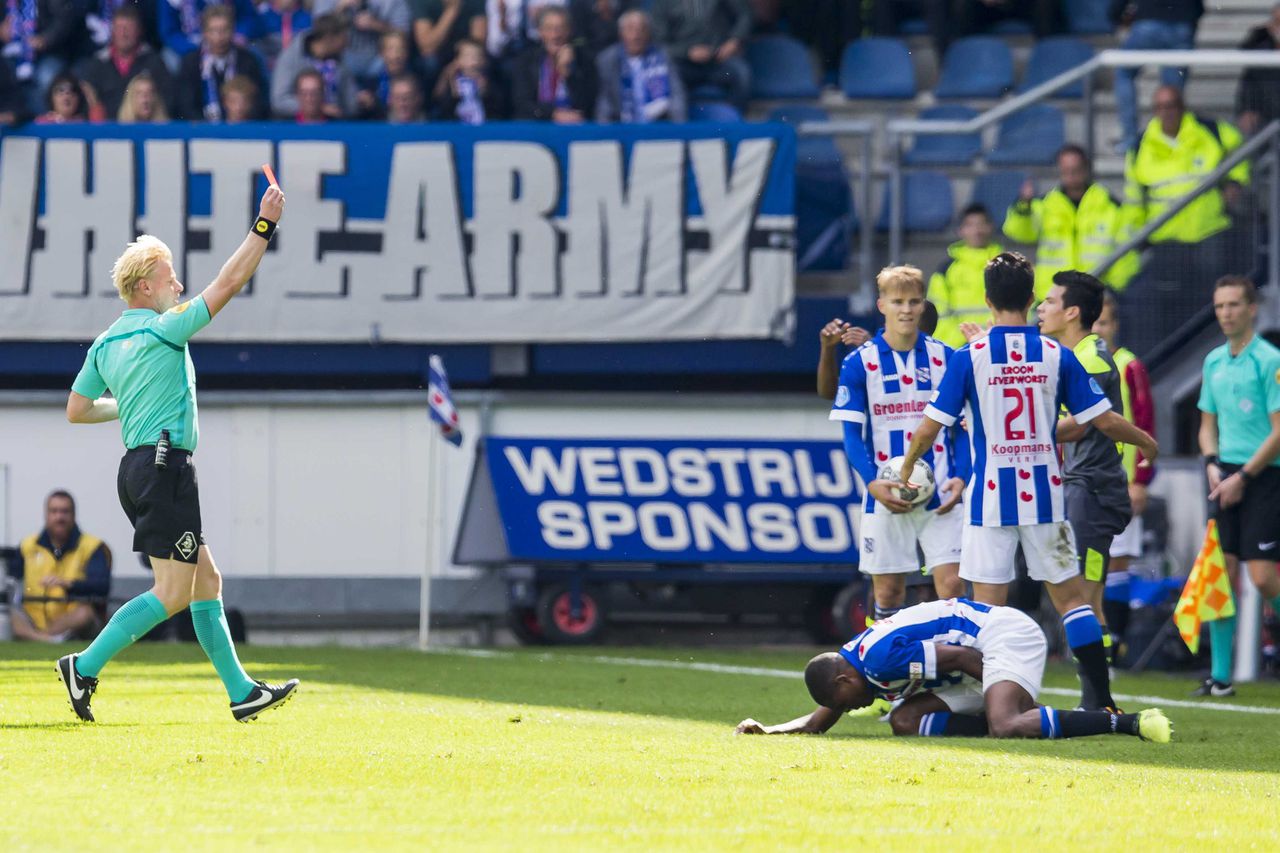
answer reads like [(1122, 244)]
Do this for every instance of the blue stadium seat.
[(825, 216), (1088, 17), (1053, 56), (996, 191), (953, 149), (780, 68), (877, 68), (1011, 27), (714, 111), (976, 67), (1030, 137), (927, 202)]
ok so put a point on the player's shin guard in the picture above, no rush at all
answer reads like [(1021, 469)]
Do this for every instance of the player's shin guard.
[(1084, 636), (945, 724), (215, 638), (1063, 724), (131, 622), (1222, 640)]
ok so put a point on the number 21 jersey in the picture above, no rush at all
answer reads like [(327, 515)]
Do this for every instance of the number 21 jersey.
[(1010, 386)]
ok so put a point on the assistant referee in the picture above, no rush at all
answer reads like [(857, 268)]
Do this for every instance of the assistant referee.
[(143, 360), (1240, 440)]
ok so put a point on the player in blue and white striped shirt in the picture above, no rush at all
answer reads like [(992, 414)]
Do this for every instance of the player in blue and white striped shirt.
[(1010, 385), (962, 669)]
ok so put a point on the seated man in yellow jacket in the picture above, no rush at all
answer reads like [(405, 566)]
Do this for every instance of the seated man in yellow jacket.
[(957, 289), (65, 576), (1074, 226)]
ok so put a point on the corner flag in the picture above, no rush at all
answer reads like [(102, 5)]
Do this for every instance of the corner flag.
[(440, 401), (1207, 594)]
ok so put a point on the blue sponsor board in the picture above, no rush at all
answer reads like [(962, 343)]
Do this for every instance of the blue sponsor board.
[(674, 501)]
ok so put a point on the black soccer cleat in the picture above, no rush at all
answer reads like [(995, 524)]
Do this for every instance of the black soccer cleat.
[(80, 688), (1216, 689), (264, 698)]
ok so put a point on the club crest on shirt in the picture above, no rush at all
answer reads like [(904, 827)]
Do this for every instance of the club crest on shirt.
[(869, 545), (180, 307), (1095, 387), (922, 375), (842, 395), (1246, 405), (1278, 377), (186, 544)]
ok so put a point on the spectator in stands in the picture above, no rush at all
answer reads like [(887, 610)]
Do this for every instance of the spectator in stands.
[(1174, 154), (1074, 226), (595, 22), (182, 22), (957, 288), (65, 576), (13, 100), (638, 83), (322, 50), (42, 38), (553, 81), (888, 16), (438, 26), (69, 102), (241, 100), (395, 54), (1258, 98), (308, 92), (127, 56), (707, 38), (200, 78), (366, 20), (511, 26), (1153, 25), (464, 92), (142, 102), (974, 16), (100, 13), (406, 104), (282, 22)]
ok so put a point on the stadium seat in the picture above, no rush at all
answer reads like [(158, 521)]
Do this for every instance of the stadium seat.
[(809, 149), (1053, 56), (927, 202), (996, 191), (953, 149), (1030, 137), (714, 111), (1088, 17), (976, 67), (825, 215), (780, 68), (877, 68)]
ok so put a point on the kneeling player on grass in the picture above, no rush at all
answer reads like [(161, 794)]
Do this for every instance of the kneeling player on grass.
[(934, 656)]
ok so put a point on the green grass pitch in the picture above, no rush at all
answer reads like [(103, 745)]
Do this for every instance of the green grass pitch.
[(528, 749)]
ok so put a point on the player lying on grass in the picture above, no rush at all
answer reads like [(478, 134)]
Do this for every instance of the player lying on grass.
[(933, 657)]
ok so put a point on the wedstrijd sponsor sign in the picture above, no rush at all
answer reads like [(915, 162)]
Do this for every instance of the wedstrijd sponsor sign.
[(674, 500)]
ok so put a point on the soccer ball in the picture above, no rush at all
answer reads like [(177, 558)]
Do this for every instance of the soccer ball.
[(921, 478)]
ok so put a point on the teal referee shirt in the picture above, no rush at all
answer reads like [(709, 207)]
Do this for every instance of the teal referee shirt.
[(142, 358), (1243, 391)]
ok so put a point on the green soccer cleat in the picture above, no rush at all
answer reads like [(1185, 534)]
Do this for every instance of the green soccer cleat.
[(878, 708), (1154, 726)]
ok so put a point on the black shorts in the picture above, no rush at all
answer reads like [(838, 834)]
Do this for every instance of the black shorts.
[(1250, 530), (163, 505), (1094, 524)]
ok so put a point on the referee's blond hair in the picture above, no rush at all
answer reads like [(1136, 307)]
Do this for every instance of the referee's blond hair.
[(138, 263)]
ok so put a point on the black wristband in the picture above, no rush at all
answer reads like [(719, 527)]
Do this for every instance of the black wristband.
[(264, 228), (1245, 475), (1211, 459)]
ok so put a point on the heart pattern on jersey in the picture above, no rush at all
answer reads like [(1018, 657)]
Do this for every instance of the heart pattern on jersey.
[(979, 345), (1056, 480), (908, 436), (938, 448), (937, 361), (1025, 496), (1050, 344), (873, 366), (907, 380), (882, 456), (1026, 475), (1015, 355), (991, 484)]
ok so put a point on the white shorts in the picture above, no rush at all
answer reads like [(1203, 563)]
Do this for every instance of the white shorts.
[(988, 552), (1013, 649), (1129, 543), (889, 540)]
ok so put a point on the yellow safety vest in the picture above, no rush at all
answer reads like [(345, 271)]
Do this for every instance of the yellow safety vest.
[(1070, 236), (39, 562), (959, 292), (1123, 358), (1163, 170)]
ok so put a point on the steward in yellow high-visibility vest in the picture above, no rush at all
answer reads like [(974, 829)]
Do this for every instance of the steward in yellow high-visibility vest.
[(1177, 150), (1074, 226), (958, 289)]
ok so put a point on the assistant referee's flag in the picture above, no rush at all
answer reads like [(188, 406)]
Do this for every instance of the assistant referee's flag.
[(1207, 594), (440, 401)]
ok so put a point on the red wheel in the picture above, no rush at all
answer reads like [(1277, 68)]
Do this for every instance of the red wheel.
[(563, 623), (849, 610)]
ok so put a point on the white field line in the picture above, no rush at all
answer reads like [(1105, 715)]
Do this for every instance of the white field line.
[(728, 669)]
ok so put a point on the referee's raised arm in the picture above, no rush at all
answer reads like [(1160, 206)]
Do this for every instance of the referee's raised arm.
[(239, 268)]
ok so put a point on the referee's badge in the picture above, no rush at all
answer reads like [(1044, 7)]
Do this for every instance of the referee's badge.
[(186, 545), (180, 307), (1278, 377), (842, 393), (1246, 405)]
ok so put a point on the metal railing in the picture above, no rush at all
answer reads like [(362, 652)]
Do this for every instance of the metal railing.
[(898, 128)]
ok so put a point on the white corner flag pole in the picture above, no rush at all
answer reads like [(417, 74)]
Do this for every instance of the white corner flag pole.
[(434, 479)]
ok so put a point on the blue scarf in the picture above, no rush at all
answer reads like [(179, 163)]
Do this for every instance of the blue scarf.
[(470, 108), (551, 87), (209, 75), (22, 22), (646, 97), (328, 69)]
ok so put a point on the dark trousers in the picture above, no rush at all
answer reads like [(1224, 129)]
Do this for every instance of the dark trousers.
[(732, 75)]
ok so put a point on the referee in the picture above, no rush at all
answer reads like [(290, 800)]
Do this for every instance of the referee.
[(1240, 440), (143, 360)]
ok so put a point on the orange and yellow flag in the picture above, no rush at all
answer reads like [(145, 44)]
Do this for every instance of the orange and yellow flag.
[(1207, 594)]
